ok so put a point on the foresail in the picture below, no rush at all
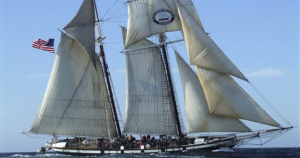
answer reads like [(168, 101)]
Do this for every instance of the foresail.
[(82, 28), (226, 98), (202, 50), (75, 102), (198, 116), (148, 105)]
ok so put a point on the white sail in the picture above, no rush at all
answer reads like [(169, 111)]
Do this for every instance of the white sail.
[(148, 103), (226, 98), (151, 17), (81, 28), (140, 19), (75, 102), (198, 116), (202, 50)]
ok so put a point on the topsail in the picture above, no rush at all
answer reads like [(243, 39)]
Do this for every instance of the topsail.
[(81, 28)]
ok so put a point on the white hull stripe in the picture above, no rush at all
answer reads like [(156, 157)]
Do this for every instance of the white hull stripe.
[(130, 151)]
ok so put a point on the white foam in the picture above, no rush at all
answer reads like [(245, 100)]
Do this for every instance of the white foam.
[(19, 155), (223, 149)]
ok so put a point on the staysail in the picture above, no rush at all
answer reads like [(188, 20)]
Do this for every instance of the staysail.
[(148, 103), (199, 119), (202, 50), (226, 98), (76, 100)]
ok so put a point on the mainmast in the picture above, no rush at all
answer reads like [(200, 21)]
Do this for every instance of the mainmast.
[(169, 80), (106, 74)]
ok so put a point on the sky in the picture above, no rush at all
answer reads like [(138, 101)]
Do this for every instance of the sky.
[(260, 37)]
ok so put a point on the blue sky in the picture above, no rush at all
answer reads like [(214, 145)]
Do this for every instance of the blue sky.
[(260, 37)]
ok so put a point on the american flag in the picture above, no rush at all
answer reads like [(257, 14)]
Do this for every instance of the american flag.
[(44, 45)]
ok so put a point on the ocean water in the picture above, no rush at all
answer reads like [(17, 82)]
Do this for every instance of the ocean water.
[(235, 153)]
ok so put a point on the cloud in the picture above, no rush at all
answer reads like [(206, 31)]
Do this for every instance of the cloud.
[(120, 71), (265, 73), (38, 75)]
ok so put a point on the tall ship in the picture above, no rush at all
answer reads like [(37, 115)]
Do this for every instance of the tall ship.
[(80, 104)]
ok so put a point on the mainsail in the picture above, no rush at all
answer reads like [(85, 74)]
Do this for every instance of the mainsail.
[(76, 101), (148, 103), (199, 119)]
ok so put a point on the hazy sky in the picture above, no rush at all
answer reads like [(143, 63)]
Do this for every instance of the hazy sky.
[(260, 37)]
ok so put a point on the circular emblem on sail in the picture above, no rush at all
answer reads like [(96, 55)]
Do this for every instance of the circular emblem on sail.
[(163, 17)]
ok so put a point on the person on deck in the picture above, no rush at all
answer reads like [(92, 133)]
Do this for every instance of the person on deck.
[(67, 143), (152, 143), (130, 138), (143, 139)]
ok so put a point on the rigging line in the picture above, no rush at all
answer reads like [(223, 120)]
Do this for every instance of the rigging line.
[(113, 17), (114, 21), (113, 13), (146, 4), (109, 9), (275, 136), (271, 105), (118, 16), (106, 46), (111, 42)]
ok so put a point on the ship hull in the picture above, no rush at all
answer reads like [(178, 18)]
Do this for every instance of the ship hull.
[(97, 151)]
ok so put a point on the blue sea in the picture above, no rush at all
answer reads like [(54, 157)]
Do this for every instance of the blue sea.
[(235, 153)]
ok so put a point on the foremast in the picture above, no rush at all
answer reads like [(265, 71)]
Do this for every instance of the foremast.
[(106, 74)]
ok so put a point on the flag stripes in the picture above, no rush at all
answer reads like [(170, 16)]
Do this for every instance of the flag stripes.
[(44, 45)]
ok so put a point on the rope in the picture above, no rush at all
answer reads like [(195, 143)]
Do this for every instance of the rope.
[(271, 135), (271, 105), (109, 8), (277, 135)]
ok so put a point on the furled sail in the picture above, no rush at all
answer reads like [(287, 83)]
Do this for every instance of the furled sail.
[(148, 102), (198, 116), (81, 28), (76, 101), (151, 17), (226, 98), (202, 50)]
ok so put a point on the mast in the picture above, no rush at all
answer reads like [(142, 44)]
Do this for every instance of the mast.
[(106, 74), (162, 40)]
